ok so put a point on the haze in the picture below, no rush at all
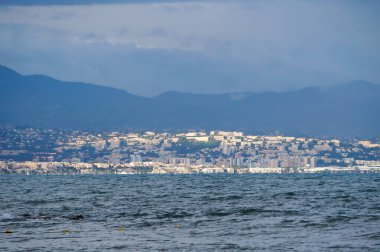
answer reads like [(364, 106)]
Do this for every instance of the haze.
[(149, 47)]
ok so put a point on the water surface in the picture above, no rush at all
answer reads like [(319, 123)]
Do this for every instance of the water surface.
[(301, 212)]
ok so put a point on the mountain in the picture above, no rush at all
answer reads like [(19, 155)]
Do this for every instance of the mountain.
[(344, 111), (41, 101), (350, 110)]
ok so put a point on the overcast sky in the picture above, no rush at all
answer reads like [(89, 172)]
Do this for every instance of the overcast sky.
[(149, 47)]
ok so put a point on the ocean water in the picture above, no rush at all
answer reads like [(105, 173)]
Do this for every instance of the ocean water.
[(299, 212)]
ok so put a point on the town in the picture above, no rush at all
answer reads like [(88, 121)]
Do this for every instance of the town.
[(50, 151)]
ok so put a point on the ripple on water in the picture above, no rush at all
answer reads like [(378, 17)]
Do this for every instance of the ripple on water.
[(193, 212)]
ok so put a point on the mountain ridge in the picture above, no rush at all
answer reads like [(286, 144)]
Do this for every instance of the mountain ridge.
[(350, 110)]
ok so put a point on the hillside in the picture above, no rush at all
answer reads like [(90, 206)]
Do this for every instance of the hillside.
[(40, 101)]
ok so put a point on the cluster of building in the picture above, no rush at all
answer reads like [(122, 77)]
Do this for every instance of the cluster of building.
[(28, 151)]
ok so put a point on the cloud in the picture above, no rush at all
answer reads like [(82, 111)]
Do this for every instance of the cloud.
[(203, 46), (84, 2), (139, 70)]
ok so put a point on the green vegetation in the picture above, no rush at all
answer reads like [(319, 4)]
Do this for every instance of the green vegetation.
[(184, 146)]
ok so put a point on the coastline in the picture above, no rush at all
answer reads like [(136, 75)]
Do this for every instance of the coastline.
[(58, 168)]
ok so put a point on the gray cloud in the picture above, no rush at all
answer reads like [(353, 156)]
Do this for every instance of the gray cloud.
[(204, 46), (84, 2)]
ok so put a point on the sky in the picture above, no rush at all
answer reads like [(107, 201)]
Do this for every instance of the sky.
[(149, 47)]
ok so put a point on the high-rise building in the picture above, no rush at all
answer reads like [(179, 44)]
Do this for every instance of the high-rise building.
[(312, 162), (172, 161), (309, 162), (187, 161), (136, 159)]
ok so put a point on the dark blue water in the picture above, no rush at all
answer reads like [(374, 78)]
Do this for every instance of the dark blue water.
[(311, 212)]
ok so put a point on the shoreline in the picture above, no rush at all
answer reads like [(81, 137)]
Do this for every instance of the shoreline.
[(193, 171)]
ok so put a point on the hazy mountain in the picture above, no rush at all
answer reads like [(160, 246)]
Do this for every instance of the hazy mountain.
[(41, 101)]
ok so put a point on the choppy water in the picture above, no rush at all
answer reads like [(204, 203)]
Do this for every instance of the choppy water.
[(191, 212)]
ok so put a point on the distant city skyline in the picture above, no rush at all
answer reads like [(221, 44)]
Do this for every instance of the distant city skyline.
[(81, 152), (149, 47)]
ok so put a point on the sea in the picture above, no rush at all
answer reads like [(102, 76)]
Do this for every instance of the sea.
[(267, 212)]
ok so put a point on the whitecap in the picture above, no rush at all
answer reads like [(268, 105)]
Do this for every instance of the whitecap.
[(5, 216)]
